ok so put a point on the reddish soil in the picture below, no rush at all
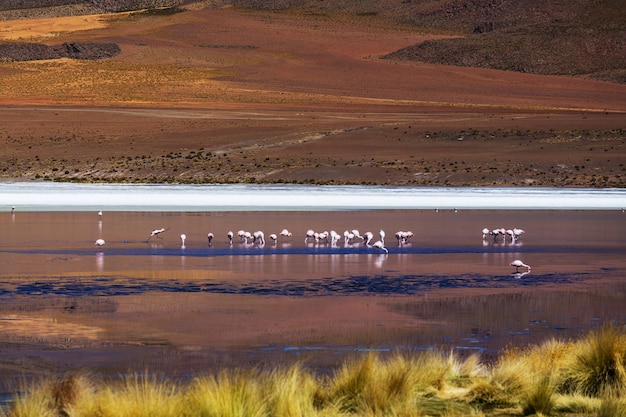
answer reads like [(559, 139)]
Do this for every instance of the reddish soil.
[(229, 95)]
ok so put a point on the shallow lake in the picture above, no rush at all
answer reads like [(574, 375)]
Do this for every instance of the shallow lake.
[(147, 303)]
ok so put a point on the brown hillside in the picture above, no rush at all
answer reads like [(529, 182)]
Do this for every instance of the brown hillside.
[(562, 37), (227, 94)]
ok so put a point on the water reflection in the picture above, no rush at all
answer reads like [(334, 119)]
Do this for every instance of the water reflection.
[(316, 301)]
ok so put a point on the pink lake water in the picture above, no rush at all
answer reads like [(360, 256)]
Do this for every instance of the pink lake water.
[(140, 303)]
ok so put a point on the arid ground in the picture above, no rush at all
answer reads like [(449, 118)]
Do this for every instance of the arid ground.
[(235, 95)]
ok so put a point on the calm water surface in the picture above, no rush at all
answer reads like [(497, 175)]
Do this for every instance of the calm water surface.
[(141, 303)]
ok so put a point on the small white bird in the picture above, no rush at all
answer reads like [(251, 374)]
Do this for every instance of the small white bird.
[(100, 242), (157, 232), (519, 264)]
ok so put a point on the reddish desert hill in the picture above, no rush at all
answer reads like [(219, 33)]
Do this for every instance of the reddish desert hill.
[(207, 92)]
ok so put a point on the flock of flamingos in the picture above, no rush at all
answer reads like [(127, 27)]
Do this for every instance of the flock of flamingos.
[(349, 237)]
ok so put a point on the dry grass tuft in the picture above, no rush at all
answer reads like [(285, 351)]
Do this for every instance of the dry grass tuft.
[(584, 377), (597, 364)]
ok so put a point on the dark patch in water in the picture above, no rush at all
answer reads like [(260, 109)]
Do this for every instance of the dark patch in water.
[(352, 285)]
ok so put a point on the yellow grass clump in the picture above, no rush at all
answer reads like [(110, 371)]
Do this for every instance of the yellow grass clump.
[(555, 378)]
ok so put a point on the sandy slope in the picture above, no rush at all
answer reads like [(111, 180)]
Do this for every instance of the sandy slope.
[(281, 97)]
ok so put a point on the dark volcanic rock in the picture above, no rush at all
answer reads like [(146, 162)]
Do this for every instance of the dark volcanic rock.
[(78, 50), (74, 50), (35, 4)]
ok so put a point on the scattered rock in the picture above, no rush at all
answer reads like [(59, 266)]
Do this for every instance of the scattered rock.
[(15, 51)]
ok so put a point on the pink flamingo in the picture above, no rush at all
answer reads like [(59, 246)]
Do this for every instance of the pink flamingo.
[(519, 264)]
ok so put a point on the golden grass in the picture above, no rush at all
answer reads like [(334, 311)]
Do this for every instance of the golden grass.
[(554, 378), (29, 29), (67, 80)]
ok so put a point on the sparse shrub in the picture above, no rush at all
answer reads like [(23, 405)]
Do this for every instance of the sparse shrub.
[(231, 393), (597, 364), (540, 398)]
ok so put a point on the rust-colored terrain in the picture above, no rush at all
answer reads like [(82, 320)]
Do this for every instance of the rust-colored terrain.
[(213, 93)]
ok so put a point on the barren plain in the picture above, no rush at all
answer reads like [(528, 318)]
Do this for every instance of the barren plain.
[(223, 94)]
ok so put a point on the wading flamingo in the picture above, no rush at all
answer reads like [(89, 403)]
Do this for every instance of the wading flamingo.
[(260, 237), (367, 238), (100, 242), (519, 264), (380, 246)]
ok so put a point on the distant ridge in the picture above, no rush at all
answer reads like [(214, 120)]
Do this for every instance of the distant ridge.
[(552, 37), (108, 5)]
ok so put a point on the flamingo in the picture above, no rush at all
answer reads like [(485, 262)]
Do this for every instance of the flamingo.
[(100, 242), (260, 236), (347, 237), (323, 237), (334, 238), (274, 238), (519, 264), (209, 237), (403, 237), (382, 236), (230, 236), (157, 232), (380, 246), (310, 234), (517, 233), (100, 214), (356, 233), (12, 209), (285, 233), (183, 237), (497, 232), (486, 233), (367, 237)]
